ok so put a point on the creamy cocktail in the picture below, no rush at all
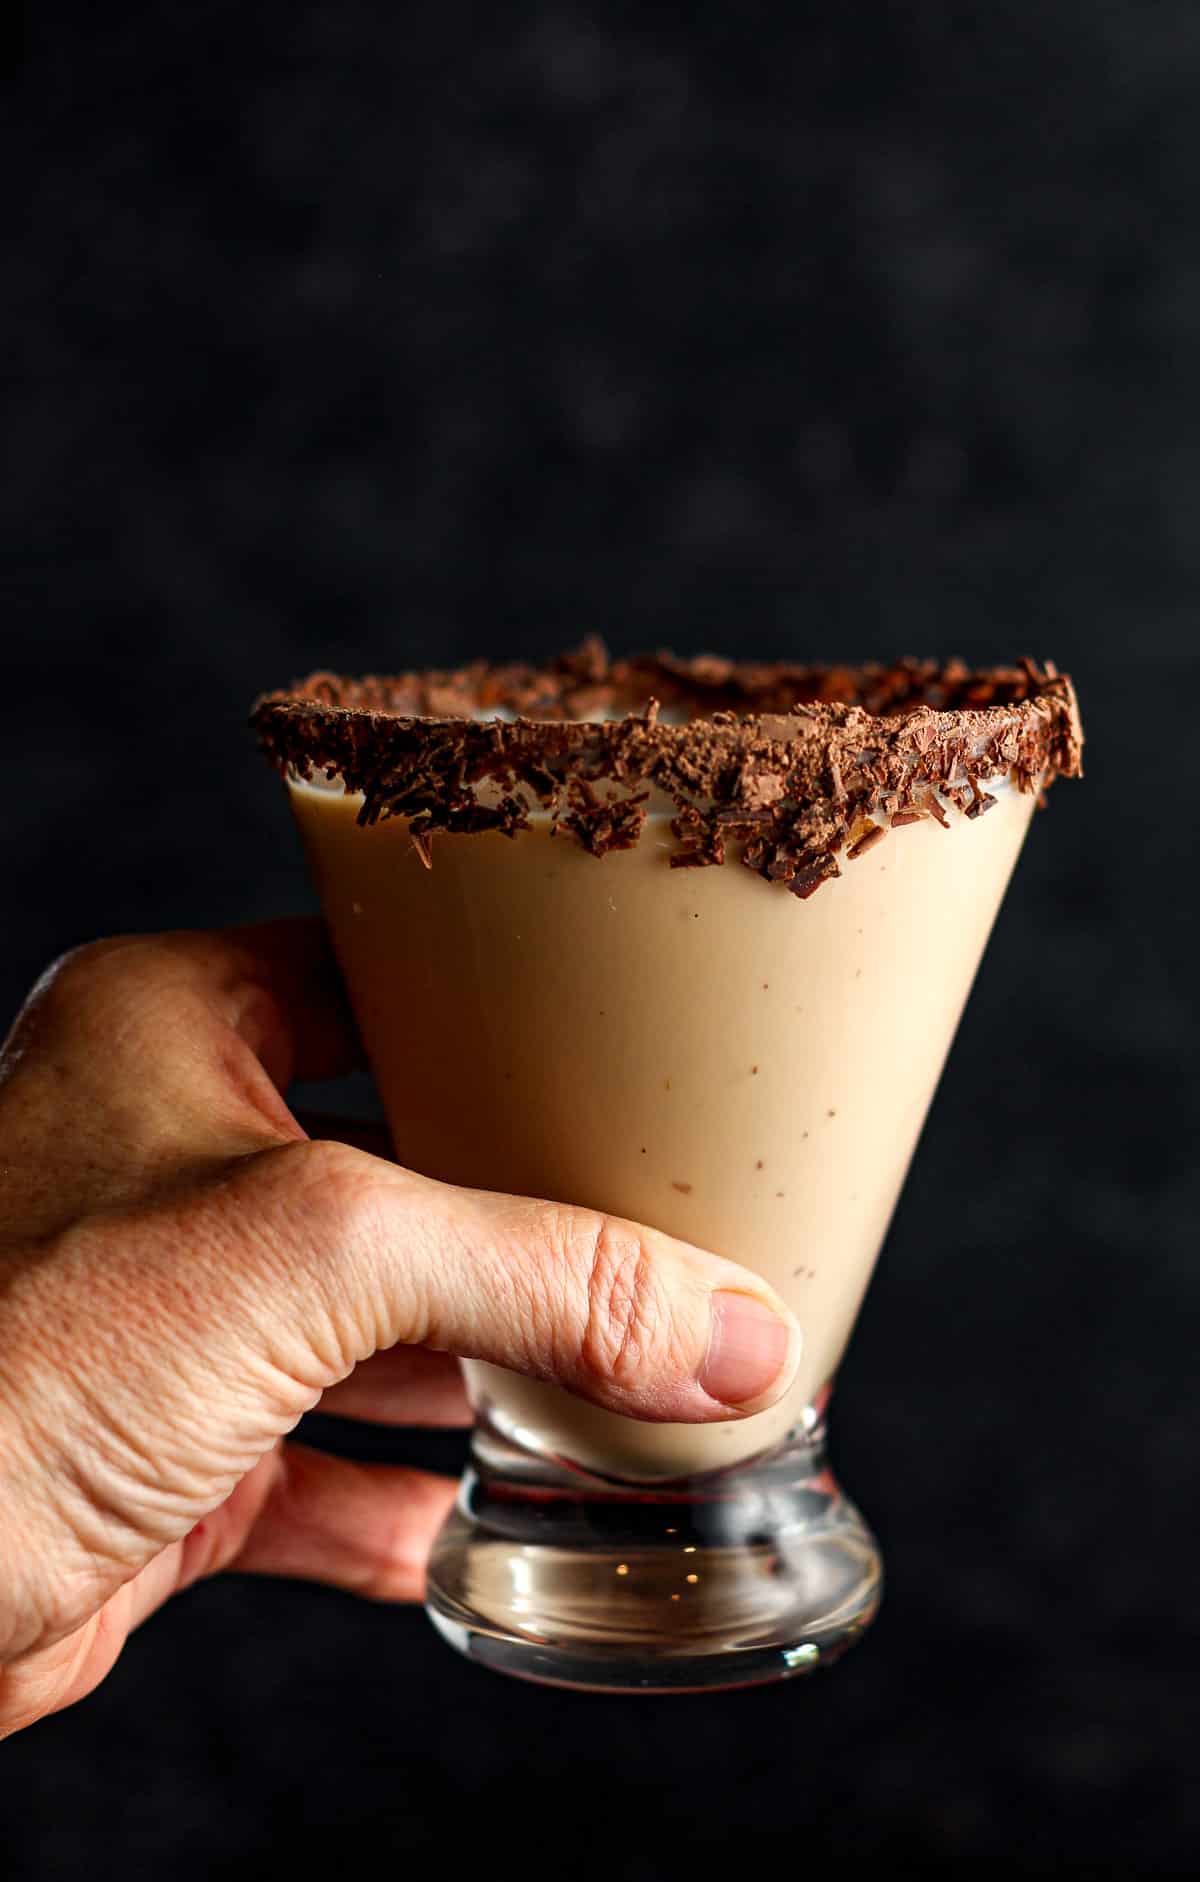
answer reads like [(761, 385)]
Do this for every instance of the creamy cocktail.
[(686, 1048), (740, 1051)]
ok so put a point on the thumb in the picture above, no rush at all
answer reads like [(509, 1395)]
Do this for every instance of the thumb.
[(374, 1255)]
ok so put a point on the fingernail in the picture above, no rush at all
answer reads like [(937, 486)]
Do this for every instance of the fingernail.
[(748, 1349)]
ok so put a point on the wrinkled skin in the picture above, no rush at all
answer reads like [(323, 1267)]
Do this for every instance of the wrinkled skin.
[(185, 1271)]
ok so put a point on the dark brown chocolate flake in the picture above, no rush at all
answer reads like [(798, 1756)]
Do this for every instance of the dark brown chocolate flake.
[(936, 811), (782, 768)]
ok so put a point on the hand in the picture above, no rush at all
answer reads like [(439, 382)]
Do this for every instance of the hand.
[(184, 1273)]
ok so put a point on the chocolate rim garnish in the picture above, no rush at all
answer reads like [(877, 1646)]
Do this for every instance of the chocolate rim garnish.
[(785, 767)]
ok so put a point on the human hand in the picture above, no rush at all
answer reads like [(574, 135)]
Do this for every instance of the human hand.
[(184, 1272)]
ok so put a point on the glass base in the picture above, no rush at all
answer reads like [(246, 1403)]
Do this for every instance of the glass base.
[(737, 1578)]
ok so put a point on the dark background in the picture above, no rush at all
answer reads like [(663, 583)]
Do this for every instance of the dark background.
[(367, 336)]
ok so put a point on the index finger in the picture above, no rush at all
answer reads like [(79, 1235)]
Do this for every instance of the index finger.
[(140, 1018), (146, 1053)]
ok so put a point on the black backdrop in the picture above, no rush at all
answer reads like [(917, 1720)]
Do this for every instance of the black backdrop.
[(359, 335)]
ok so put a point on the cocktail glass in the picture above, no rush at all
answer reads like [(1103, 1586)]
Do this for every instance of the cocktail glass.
[(694, 1048)]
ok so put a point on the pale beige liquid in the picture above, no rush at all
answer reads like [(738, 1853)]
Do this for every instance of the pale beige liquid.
[(692, 1048)]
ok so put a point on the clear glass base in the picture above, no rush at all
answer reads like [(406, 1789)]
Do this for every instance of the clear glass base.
[(736, 1578)]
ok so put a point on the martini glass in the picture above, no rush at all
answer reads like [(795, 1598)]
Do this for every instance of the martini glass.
[(694, 1048)]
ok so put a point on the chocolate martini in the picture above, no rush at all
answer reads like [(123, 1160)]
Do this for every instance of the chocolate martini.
[(686, 942)]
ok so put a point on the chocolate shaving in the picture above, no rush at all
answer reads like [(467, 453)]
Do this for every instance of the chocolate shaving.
[(935, 810), (859, 846), (781, 767)]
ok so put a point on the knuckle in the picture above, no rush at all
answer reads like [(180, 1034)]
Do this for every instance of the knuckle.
[(102, 993), (317, 1206), (625, 1320), (73, 978), (327, 1181), (98, 975)]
